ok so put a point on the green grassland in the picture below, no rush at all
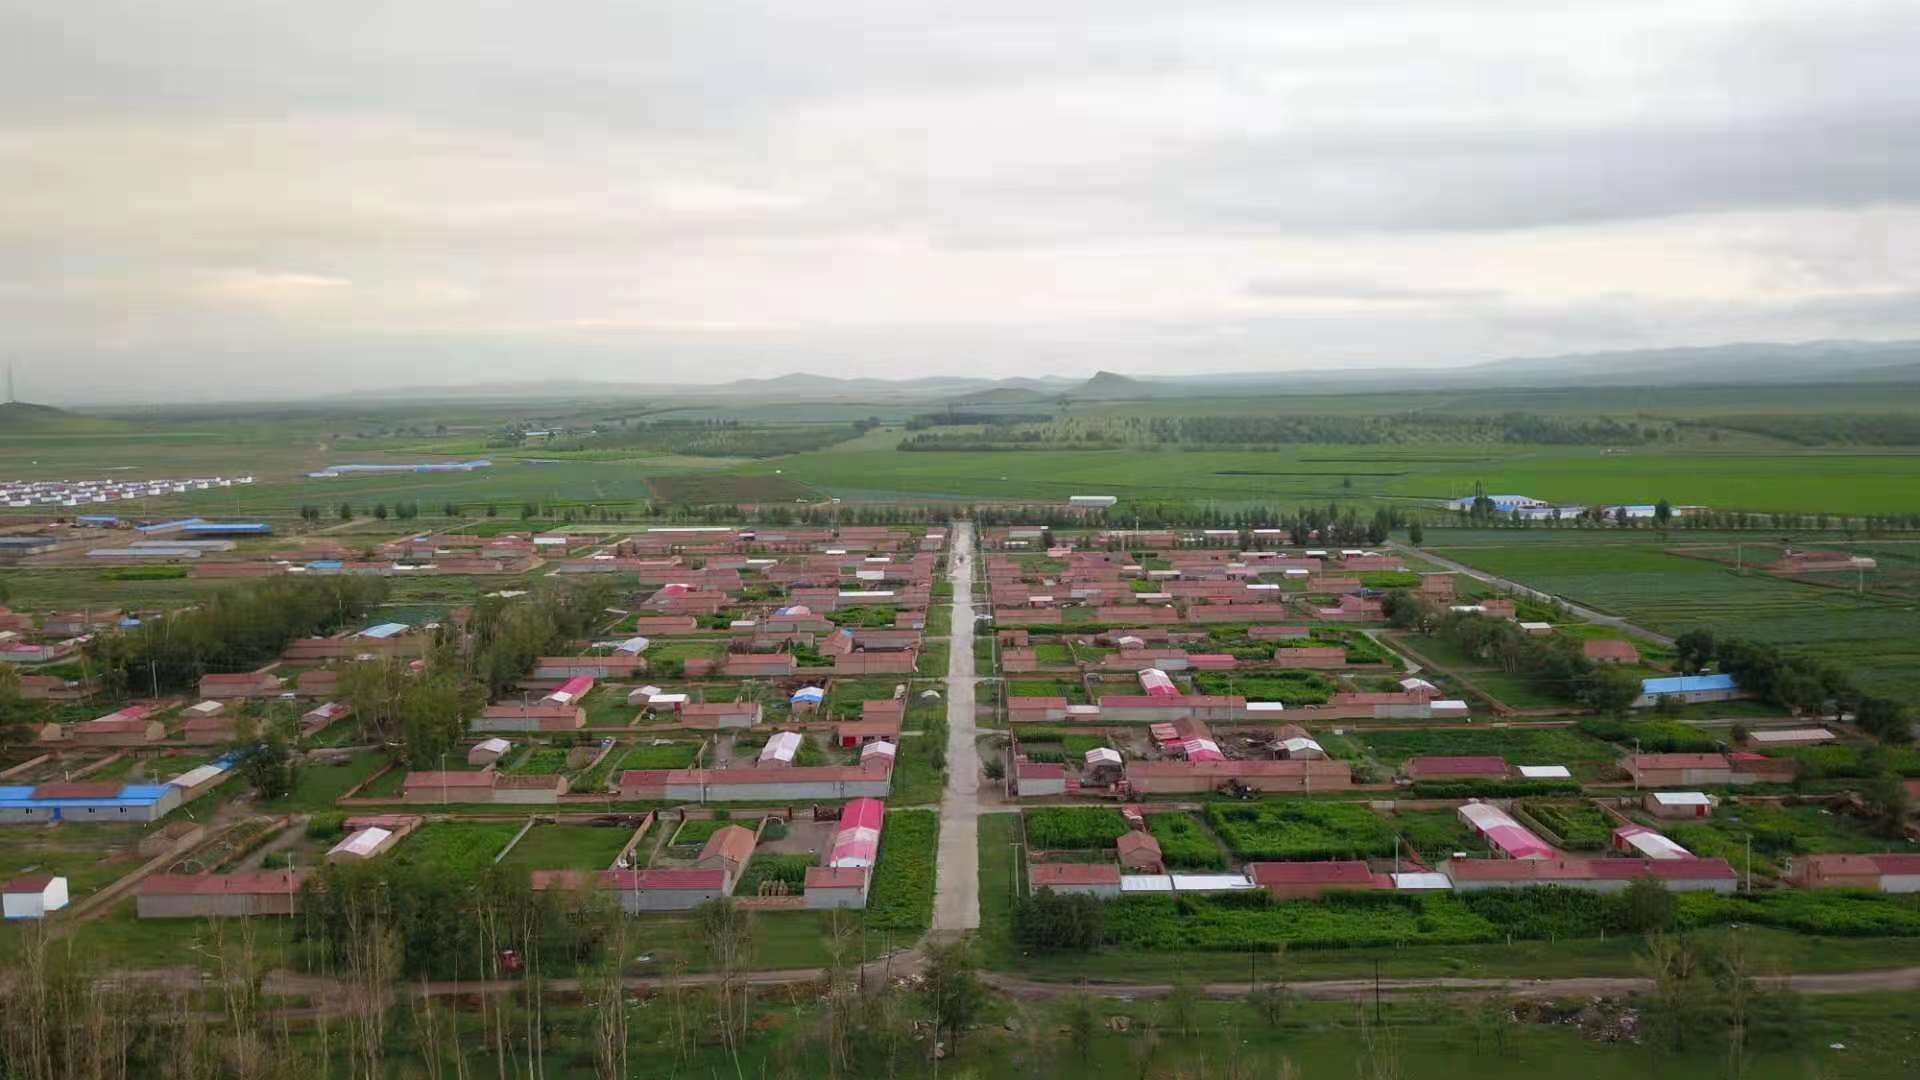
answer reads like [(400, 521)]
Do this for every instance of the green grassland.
[(568, 847)]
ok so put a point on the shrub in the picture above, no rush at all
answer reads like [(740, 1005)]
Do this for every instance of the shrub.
[(330, 825), (1656, 736), (1502, 789)]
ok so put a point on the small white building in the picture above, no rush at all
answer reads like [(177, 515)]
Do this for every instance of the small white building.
[(488, 751), (31, 897)]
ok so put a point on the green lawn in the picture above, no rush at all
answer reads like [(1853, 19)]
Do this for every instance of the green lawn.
[(1520, 746), (317, 786), (456, 849)]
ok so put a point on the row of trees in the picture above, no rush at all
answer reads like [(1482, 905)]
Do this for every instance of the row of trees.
[(1794, 682), (236, 629), (1555, 661)]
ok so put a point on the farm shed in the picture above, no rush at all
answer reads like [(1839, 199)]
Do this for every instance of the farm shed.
[(488, 751), (1678, 770), (80, 803), (1890, 873), (1498, 828), (1544, 772), (197, 896), (1679, 804), (1085, 879), (719, 715), (1139, 852), (781, 749), (1690, 689), (529, 717), (1818, 736), (363, 844), (872, 779), (664, 890), (1192, 777), (1592, 875), (1646, 843), (251, 684), (1035, 779), (1312, 880), (830, 887), (856, 841), (32, 896), (728, 850)]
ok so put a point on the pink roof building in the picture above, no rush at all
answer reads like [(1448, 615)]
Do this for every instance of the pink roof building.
[(571, 691), (1508, 836), (1155, 683), (856, 843)]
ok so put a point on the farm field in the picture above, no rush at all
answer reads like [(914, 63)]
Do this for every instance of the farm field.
[(1836, 481), (1872, 636), (901, 897)]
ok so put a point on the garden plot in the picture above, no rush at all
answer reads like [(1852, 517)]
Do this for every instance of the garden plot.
[(1434, 834), (1297, 829), (1520, 746), (1777, 832), (90, 857), (1074, 828), (1186, 843), (569, 847), (455, 849), (1575, 824)]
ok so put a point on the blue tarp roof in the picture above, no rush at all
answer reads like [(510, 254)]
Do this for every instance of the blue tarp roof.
[(143, 791), (1686, 684), (325, 564), (226, 527), (809, 693), (384, 630), (11, 793)]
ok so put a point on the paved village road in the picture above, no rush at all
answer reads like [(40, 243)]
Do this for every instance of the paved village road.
[(1597, 617), (956, 897)]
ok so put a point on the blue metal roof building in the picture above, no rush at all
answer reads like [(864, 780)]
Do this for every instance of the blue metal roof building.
[(383, 630), (227, 528), (1687, 684), (131, 802)]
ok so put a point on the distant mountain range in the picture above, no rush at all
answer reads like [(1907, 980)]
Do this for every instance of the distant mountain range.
[(1752, 364)]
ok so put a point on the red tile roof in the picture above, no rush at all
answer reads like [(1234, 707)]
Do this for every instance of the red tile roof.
[(1045, 874), (260, 883), (30, 883), (731, 842), (1354, 873), (1676, 761), (76, 791)]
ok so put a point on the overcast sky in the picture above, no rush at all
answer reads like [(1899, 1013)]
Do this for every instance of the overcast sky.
[(256, 198)]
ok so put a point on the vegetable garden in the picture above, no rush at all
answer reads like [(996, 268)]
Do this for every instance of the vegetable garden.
[(1300, 829)]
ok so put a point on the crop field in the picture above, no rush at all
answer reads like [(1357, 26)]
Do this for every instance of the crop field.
[(539, 761), (1280, 830), (1185, 843), (1073, 828), (1520, 746), (1287, 687), (1853, 482), (901, 897), (455, 849), (1873, 636), (1578, 825), (789, 870), (568, 847), (1434, 834)]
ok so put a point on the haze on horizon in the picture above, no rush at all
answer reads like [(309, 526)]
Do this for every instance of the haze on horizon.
[(247, 199)]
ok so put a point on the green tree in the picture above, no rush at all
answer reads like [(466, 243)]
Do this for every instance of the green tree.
[(346, 511), (1662, 513), (1886, 801), (1416, 534), (1609, 689), (1647, 907), (267, 763), (952, 991), (380, 511)]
